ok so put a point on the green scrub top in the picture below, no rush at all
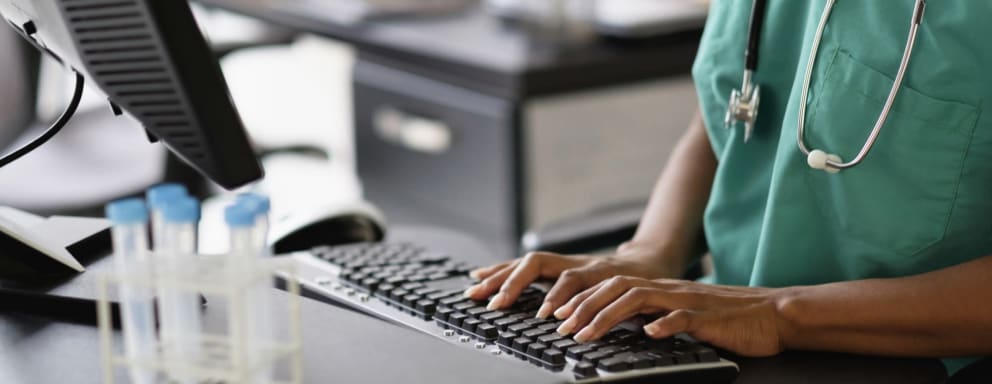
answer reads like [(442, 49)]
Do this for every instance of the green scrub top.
[(921, 200)]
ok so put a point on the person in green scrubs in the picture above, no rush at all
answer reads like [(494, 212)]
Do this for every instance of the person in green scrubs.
[(891, 257)]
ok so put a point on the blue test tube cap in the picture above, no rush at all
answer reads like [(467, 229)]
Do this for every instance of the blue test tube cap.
[(127, 211), (182, 210), (162, 194), (239, 216), (261, 203)]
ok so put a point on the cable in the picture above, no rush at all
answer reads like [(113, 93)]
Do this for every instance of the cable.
[(53, 130)]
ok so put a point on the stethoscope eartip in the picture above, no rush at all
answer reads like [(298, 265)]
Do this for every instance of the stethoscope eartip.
[(818, 159)]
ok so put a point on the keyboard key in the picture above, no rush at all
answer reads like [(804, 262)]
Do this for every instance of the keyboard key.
[(550, 338), (410, 300), (412, 286), (436, 296), (521, 343), (535, 322), (536, 350), (684, 357), (580, 351), (443, 313), (369, 283), (438, 276), (584, 369), (487, 331), (452, 301), (614, 364), (418, 278), (426, 306), (624, 355), (470, 323), (707, 355), (553, 356), (477, 311), (462, 307), (550, 326), (519, 327), (385, 287), (617, 336), (564, 344), (398, 293), (639, 361), (506, 322), (535, 333), (493, 316), (601, 354), (660, 359), (425, 291), (456, 319), (596, 344), (506, 339)]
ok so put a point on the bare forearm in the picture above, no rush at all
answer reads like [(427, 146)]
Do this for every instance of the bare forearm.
[(942, 313), (672, 222)]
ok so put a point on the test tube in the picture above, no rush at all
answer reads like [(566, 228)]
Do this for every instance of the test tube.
[(240, 219), (261, 331), (158, 196), (129, 219), (262, 206), (180, 308)]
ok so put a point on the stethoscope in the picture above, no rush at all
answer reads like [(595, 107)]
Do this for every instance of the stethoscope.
[(743, 105)]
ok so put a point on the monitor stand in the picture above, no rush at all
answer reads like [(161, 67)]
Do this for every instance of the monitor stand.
[(42, 260)]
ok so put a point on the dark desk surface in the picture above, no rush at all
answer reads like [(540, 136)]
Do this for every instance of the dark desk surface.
[(473, 49), (347, 347)]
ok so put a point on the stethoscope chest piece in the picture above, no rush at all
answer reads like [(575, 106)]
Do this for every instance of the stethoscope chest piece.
[(744, 102), (743, 107)]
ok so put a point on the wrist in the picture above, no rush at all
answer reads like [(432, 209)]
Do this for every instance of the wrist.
[(790, 312), (662, 258)]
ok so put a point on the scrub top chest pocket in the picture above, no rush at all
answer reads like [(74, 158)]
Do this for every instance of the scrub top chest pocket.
[(899, 200)]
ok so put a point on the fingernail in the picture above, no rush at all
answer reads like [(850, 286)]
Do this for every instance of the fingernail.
[(566, 328), (544, 311), (471, 291), (651, 329), (584, 335), (560, 313), (496, 302)]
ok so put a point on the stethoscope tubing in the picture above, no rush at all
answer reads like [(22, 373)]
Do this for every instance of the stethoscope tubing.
[(890, 101), (754, 35)]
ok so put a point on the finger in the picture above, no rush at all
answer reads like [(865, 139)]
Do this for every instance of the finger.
[(566, 310), (680, 321), (530, 268), (570, 282), (485, 272), (489, 285), (606, 294), (634, 301)]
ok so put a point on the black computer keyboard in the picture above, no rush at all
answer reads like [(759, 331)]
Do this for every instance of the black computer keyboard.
[(415, 287)]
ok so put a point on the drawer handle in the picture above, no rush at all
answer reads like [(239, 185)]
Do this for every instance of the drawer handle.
[(416, 133)]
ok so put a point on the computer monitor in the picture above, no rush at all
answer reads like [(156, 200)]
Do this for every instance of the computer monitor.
[(152, 61)]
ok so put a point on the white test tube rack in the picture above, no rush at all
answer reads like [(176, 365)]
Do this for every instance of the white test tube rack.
[(223, 355)]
